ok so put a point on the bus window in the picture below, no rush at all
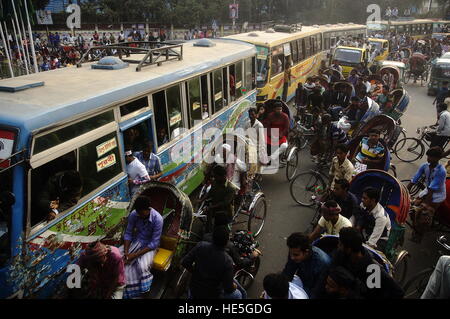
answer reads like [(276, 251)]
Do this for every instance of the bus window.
[(205, 97), (55, 181), (238, 79), (134, 106), (294, 50), (161, 121), (307, 47), (248, 74), (69, 132), (136, 137), (319, 43), (313, 45), (225, 86), (5, 216), (253, 73), (97, 169), (232, 78), (301, 51), (277, 61), (174, 111), (194, 101), (218, 95)]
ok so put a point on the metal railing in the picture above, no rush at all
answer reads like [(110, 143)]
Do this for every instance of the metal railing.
[(155, 52), (14, 159)]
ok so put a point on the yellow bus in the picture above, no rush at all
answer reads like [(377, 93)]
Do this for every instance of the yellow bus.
[(306, 50), (416, 28), (350, 57), (382, 46)]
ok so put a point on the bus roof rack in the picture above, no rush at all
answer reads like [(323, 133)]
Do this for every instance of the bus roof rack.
[(288, 28), (154, 53)]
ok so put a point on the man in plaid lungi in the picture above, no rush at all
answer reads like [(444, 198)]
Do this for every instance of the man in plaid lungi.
[(141, 238)]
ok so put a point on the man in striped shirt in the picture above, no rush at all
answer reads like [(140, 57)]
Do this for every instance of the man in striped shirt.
[(371, 151)]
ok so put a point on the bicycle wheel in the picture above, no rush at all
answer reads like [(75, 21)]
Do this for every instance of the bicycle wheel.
[(415, 189), (411, 151), (305, 186), (401, 137), (407, 77), (181, 286), (245, 278), (292, 165), (257, 217), (415, 287), (393, 170), (401, 267)]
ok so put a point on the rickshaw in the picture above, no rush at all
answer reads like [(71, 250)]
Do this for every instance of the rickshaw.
[(417, 68), (349, 90), (391, 75), (252, 204), (395, 199), (400, 66), (398, 104), (407, 54), (335, 75)]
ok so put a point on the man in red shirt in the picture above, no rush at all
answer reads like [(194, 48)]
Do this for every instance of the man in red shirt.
[(277, 124)]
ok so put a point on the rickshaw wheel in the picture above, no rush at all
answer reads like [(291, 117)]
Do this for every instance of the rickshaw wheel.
[(415, 287), (415, 189), (291, 166), (257, 217), (401, 267), (181, 286), (244, 279)]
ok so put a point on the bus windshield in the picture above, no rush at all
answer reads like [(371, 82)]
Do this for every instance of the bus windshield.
[(376, 45), (441, 70), (348, 56)]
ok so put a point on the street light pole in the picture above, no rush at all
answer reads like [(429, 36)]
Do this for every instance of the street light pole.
[(234, 19)]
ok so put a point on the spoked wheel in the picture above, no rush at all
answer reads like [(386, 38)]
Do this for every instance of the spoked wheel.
[(409, 149), (423, 79), (181, 286), (292, 165), (393, 170), (402, 138), (401, 267), (247, 277), (305, 186), (415, 287), (407, 77), (415, 189), (257, 217)]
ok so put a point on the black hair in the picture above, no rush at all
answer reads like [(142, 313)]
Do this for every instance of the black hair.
[(276, 286), (355, 99), (331, 204), (252, 109), (299, 240), (374, 131), (372, 193), (220, 219), (219, 171), (343, 183), (386, 87), (342, 147), (435, 151), (351, 238), (220, 236), (442, 106), (343, 277), (142, 203), (278, 104)]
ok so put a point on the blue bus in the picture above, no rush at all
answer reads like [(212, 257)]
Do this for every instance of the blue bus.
[(79, 119)]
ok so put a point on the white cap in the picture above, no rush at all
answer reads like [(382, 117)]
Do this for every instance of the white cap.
[(227, 147), (128, 153)]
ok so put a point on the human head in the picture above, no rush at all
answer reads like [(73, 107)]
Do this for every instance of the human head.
[(355, 100), (220, 219), (442, 107), (220, 235), (350, 241), (341, 152), (374, 136), (326, 119), (129, 156), (252, 113), (353, 72), (278, 108), (341, 187), (445, 84), (300, 85), (276, 286), (220, 174), (434, 155), (370, 197), (148, 149), (71, 183), (309, 80), (299, 247), (96, 254), (385, 89), (330, 211), (142, 206), (340, 282)]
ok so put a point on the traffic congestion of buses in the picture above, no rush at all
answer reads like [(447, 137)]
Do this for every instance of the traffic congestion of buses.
[(171, 97)]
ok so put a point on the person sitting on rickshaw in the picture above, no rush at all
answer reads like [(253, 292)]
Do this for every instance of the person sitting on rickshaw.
[(346, 200), (277, 124), (383, 98), (353, 78), (371, 151), (234, 166), (341, 167), (373, 220), (362, 70), (355, 111), (331, 221), (315, 100), (301, 96)]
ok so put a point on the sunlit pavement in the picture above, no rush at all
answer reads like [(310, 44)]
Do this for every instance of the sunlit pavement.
[(285, 216)]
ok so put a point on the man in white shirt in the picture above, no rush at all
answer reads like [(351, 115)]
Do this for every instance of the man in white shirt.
[(277, 286), (234, 166), (331, 221), (443, 129), (254, 129), (373, 220), (137, 173)]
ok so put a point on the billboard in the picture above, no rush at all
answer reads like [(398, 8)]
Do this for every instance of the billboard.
[(234, 11), (44, 17)]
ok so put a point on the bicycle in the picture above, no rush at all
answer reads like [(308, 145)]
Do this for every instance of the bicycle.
[(415, 286), (415, 147), (308, 186)]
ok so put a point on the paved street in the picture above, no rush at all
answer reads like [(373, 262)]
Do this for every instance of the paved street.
[(285, 216)]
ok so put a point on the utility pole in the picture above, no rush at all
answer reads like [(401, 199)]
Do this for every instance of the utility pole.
[(234, 20)]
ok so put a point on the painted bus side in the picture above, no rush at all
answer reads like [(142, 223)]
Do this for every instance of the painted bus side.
[(94, 110)]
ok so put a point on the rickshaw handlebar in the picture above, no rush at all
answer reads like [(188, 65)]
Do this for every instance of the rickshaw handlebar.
[(442, 240)]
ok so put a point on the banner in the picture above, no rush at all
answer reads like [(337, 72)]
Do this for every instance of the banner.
[(44, 17), (234, 11)]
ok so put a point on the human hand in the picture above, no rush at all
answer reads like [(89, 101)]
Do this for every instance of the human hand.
[(51, 216), (54, 204)]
